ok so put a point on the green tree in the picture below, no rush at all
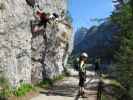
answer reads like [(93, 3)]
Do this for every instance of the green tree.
[(123, 17)]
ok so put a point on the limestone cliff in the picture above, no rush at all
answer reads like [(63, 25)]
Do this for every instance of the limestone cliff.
[(32, 57)]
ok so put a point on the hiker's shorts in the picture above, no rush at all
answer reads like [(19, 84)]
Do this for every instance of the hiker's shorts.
[(82, 79)]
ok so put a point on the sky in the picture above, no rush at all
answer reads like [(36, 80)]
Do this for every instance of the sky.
[(82, 11)]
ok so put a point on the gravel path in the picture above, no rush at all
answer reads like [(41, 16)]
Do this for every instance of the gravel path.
[(67, 89)]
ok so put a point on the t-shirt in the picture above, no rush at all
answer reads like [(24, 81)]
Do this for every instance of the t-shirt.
[(82, 68)]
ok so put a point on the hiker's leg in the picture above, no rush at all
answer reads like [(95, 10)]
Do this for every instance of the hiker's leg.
[(83, 88), (80, 85), (79, 90)]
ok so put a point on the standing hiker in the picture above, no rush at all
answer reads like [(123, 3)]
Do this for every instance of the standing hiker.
[(82, 73)]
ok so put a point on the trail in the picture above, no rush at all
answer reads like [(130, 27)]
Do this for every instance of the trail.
[(67, 89)]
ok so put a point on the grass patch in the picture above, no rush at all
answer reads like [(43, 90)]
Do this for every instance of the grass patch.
[(60, 77), (20, 91), (107, 97), (118, 91), (5, 90), (44, 84), (49, 82), (23, 89), (111, 82), (6, 93), (104, 97)]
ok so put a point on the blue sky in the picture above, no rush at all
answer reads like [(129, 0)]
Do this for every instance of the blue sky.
[(82, 11)]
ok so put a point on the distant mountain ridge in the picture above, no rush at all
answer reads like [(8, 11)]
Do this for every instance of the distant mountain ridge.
[(79, 37), (96, 41)]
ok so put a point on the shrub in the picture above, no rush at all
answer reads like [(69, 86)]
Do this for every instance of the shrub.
[(7, 90), (46, 82), (23, 89), (104, 97), (69, 17), (5, 87), (49, 82), (4, 82), (66, 72)]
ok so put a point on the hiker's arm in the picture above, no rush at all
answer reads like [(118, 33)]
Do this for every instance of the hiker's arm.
[(81, 66)]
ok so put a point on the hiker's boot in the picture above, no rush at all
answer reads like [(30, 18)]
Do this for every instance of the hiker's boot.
[(84, 95)]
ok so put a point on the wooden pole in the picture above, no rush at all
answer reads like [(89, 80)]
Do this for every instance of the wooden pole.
[(99, 93)]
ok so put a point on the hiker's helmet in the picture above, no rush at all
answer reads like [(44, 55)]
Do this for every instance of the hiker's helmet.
[(84, 54)]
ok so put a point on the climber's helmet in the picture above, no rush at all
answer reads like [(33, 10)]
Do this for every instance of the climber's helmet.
[(55, 15)]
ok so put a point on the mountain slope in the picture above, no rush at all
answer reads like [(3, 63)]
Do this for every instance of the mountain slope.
[(99, 40)]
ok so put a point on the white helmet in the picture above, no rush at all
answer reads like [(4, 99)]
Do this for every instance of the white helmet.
[(84, 54)]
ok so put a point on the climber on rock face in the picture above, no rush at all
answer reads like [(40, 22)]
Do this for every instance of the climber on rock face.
[(42, 19)]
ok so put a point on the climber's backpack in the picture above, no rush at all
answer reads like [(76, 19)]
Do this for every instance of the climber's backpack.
[(31, 2)]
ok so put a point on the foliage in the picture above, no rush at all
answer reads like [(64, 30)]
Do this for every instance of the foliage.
[(69, 17), (5, 86), (60, 77), (4, 83), (23, 89), (66, 72), (7, 90), (72, 59), (49, 82), (114, 90), (124, 56), (104, 97)]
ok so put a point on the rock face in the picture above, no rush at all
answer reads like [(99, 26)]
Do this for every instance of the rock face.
[(28, 57)]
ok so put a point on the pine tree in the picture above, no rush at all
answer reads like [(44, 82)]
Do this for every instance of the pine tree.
[(124, 61)]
